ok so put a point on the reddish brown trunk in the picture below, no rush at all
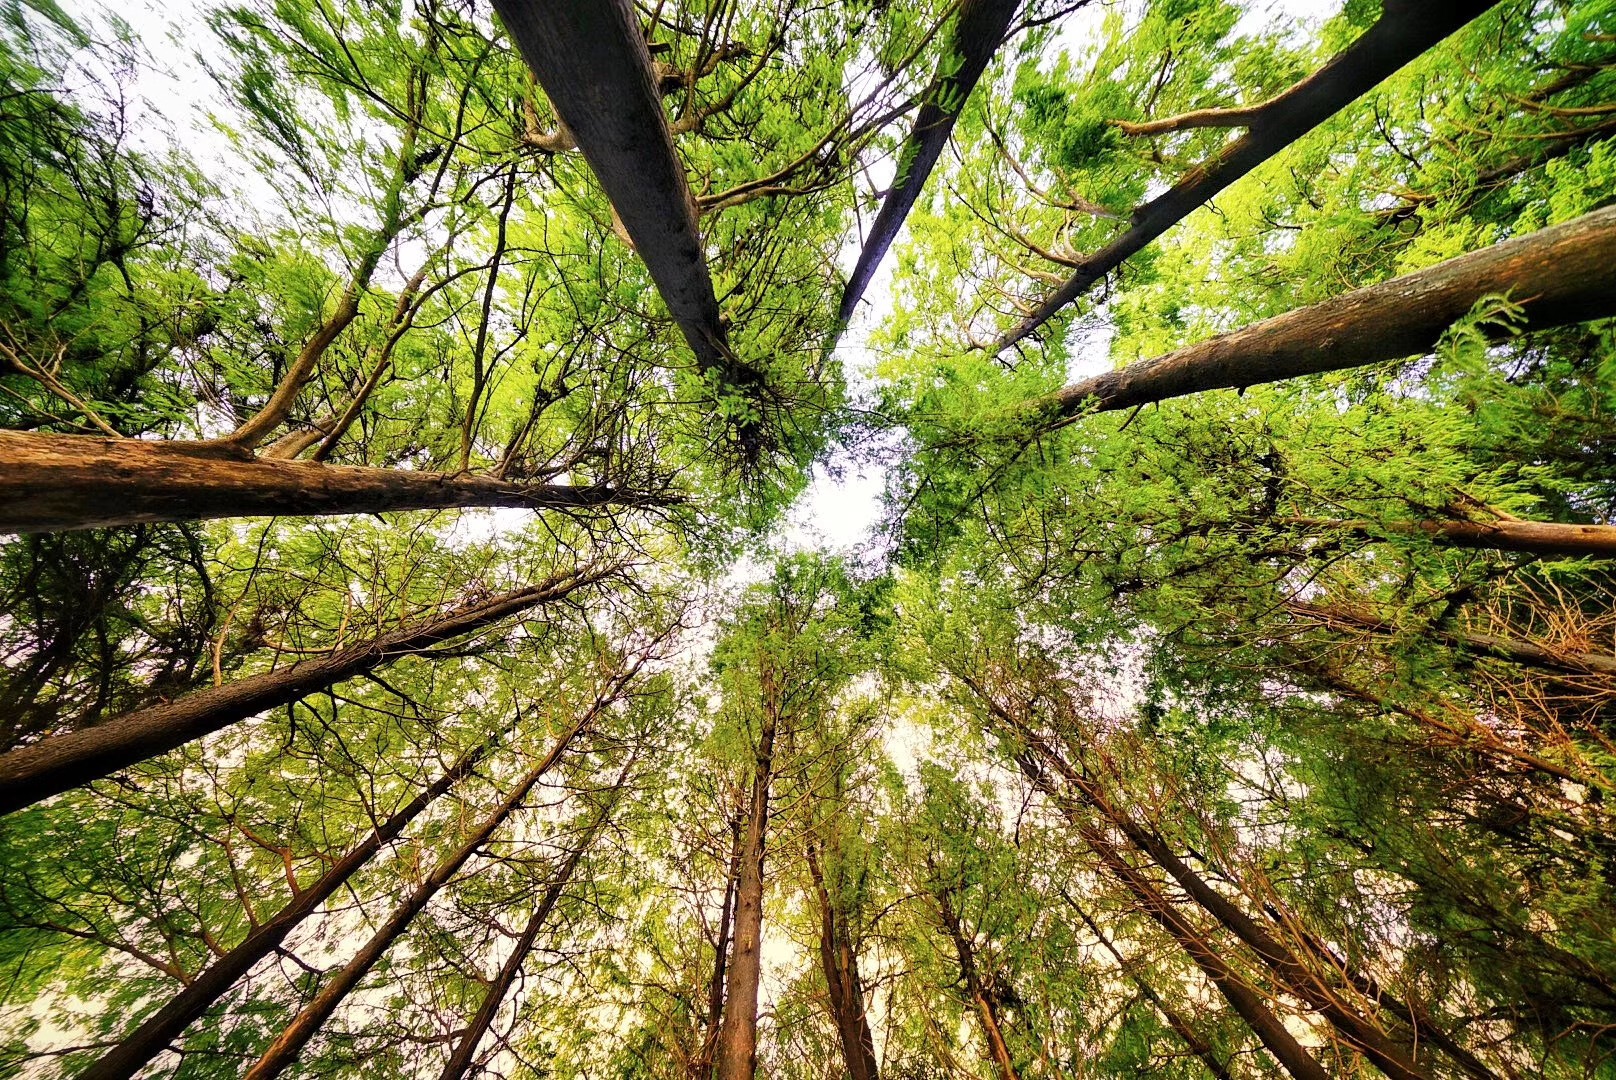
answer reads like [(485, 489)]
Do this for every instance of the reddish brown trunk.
[(151, 1038), (979, 27), (736, 1057), (1559, 275), (54, 765), (51, 483), (1548, 538), (1404, 31), (466, 1049), (838, 960), (286, 1047), (986, 1011), (701, 1066)]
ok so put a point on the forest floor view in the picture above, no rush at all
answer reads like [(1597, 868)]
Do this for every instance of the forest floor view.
[(701, 539)]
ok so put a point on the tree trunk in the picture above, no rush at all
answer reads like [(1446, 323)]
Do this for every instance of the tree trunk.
[(986, 1011), (465, 1050), (1547, 538), (1404, 31), (56, 482), (592, 60), (838, 959), (979, 28), (1181, 1027), (151, 1038), (1559, 275), (736, 1057), (702, 1067), (54, 765), (284, 1050)]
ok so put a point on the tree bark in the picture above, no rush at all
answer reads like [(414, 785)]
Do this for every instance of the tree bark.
[(838, 959), (465, 1050), (986, 1011), (136, 1050), (592, 61), (1405, 30), (284, 1050), (702, 1067), (979, 28), (58, 482), (54, 765), (1558, 275), (736, 1056), (1548, 538)]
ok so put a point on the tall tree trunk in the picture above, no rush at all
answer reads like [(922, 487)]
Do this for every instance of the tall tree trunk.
[(286, 1047), (838, 959), (701, 1067), (736, 1052), (1547, 538), (139, 1047), (1406, 29), (979, 27), (54, 765), (50, 483), (592, 60), (1175, 1020), (465, 1050), (1246, 1001), (986, 1010), (1559, 275)]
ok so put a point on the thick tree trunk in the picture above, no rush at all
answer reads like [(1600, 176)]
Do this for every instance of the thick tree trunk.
[(1558, 275), (1548, 538), (1175, 1020), (986, 1011), (736, 1052), (1405, 30), (54, 765), (286, 1047), (592, 60), (151, 1038), (838, 960), (460, 1062), (56, 482), (979, 27)]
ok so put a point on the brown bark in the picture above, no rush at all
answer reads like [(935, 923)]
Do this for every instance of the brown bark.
[(838, 960), (593, 62), (986, 1011), (460, 1061), (59, 482), (1558, 275), (284, 1050), (1404, 31), (701, 1066), (736, 1051), (54, 765), (1175, 1020), (1548, 538), (979, 28), (151, 1038)]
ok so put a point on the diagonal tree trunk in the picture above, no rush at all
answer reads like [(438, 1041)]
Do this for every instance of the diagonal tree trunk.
[(701, 1068), (56, 482), (592, 60), (291, 1041), (979, 28), (136, 1050), (1406, 29), (986, 1011), (838, 959), (1181, 1027), (736, 1052), (460, 1062), (1558, 275), (54, 765)]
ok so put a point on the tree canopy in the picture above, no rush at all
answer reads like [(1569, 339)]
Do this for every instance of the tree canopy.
[(421, 648)]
